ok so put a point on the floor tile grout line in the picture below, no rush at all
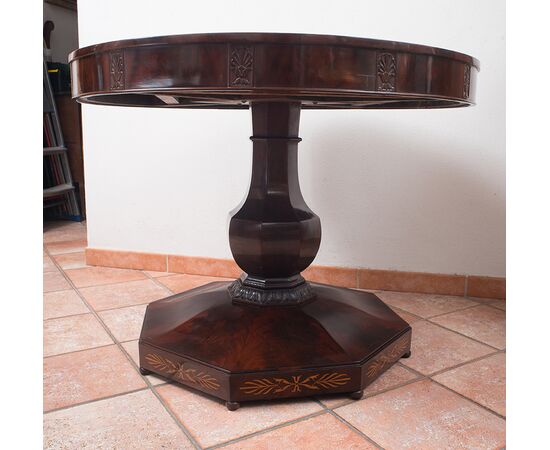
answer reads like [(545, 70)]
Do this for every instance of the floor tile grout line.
[(129, 340), (419, 377), (416, 372), (55, 290), (71, 268), (475, 305), (62, 241), (146, 276), (483, 301), (158, 283), (87, 402), (494, 306), (128, 306), (66, 316), (129, 358), (397, 310), (479, 358), (460, 334), (54, 255), (469, 399), (267, 430), (105, 284), (419, 317), (456, 366), (437, 315), (85, 238), (381, 391), (79, 350), (430, 377), (99, 310), (422, 377), (355, 429), (347, 424), (63, 317), (486, 300), (463, 335), (180, 424), (149, 278)]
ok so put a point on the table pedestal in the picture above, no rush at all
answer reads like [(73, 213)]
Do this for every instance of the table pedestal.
[(271, 334)]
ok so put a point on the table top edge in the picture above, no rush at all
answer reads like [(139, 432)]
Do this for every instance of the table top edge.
[(266, 38)]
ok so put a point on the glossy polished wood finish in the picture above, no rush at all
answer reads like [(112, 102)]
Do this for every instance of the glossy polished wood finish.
[(274, 235), (270, 334), (340, 342), (228, 70)]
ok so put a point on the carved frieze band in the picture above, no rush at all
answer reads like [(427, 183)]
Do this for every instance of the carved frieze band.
[(241, 65), (466, 91), (179, 372), (388, 356), (295, 383), (386, 72), (116, 69)]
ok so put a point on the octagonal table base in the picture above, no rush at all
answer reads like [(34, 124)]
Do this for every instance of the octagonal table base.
[(340, 342), (271, 334)]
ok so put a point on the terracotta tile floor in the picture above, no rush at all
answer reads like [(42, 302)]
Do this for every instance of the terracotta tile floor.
[(449, 394)]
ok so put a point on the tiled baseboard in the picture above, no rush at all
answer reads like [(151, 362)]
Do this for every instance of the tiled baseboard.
[(390, 280)]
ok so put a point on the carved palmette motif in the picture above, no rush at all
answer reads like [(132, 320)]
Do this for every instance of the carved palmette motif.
[(179, 372), (386, 71), (116, 69), (241, 65), (296, 383), (466, 90)]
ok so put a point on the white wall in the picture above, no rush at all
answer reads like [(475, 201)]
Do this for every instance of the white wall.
[(64, 37), (420, 190)]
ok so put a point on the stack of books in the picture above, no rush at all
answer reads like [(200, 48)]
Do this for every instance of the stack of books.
[(57, 182)]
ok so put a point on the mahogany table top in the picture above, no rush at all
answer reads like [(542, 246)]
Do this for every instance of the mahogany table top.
[(228, 70)]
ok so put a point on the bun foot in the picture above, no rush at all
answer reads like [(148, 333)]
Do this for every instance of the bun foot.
[(232, 406), (407, 355), (144, 371), (357, 395)]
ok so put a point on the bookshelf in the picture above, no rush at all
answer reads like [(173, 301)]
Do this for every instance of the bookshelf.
[(59, 192)]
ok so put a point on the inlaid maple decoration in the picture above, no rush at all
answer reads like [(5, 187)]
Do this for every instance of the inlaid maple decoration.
[(388, 357), (385, 72), (180, 373), (240, 63), (296, 383)]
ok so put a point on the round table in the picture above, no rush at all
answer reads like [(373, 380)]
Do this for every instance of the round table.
[(271, 334)]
